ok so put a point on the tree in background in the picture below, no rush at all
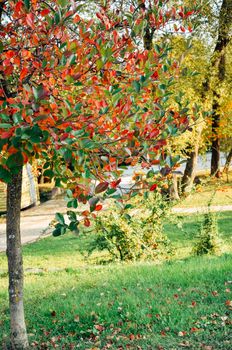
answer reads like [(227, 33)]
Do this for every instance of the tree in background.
[(210, 88), (218, 63)]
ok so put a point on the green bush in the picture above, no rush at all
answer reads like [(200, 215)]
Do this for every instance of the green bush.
[(135, 231), (208, 239)]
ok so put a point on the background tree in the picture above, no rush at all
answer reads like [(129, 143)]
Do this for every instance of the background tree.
[(218, 63)]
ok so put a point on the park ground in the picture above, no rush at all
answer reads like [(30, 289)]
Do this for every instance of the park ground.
[(77, 301)]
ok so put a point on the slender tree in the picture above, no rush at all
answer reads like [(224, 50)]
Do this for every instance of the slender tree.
[(83, 96)]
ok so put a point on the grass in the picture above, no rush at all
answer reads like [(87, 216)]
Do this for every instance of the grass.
[(217, 190), (181, 303)]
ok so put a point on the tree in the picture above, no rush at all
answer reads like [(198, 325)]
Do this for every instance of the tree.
[(219, 70), (83, 96), (214, 83)]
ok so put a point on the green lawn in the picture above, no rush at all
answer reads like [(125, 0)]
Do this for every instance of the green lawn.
[(177, 304)]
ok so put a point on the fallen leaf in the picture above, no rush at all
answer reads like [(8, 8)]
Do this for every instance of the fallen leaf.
[(77, 318), (182, 333), (99, 327)]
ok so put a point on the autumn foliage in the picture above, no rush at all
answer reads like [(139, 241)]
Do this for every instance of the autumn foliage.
[(83, 94)]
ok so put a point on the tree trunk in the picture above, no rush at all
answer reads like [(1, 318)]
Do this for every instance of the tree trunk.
[(228, 161), (19, 340), (215, 149), (190, 171), (173, 189), (219, 74), (191, 164)]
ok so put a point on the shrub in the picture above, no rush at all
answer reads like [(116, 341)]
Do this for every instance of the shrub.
[(208, 239), (135, 231)]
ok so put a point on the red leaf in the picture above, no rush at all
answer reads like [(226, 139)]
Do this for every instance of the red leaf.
[(154, 133), (155, 75), (153, 187), (6, 134), (30, 20), (85, 213), (23, 73), (45, 12), (101, 187), (18, 6), (25, 158), (86, 222), (114, 184), (98, 207), (189, 13)]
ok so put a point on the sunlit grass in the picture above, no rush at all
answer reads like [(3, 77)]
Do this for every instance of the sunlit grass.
[(210, 190)]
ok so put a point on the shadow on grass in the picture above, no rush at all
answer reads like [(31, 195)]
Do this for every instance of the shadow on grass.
[(131, 305)]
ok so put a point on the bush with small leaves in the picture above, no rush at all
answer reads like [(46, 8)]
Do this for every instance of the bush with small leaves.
[(208, 238), (135, 231)]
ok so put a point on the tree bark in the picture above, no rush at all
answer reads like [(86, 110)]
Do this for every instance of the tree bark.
[(190, 171), (219, 65), (191, 164), (19, 340), (228, 161), (215, 148)]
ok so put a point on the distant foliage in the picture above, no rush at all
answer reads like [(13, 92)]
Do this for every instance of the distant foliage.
[(208, 239), (134, 234)]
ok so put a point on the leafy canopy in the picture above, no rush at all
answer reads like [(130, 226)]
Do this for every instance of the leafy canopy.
[(83, 94)]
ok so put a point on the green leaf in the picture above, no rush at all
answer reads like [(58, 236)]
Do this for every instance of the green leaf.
[(128, 206), (5, 126), (136, 85), (5, 175), (60, 218), (15, 160), (1, 47), (72, 215), (88, 144), (16, 142), (150, 174), (73, 226), (63, 60), (48, 173), (69, 193), (110, 191), (44, 63), (78, 107), (63, 3), (57, 232), (57, 18), (38, 92), (162, 87), (72, 204), (99, 64), (127, 217), (2, 143), (68, 155), (157, 48), (27, 4), (93, 202)]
